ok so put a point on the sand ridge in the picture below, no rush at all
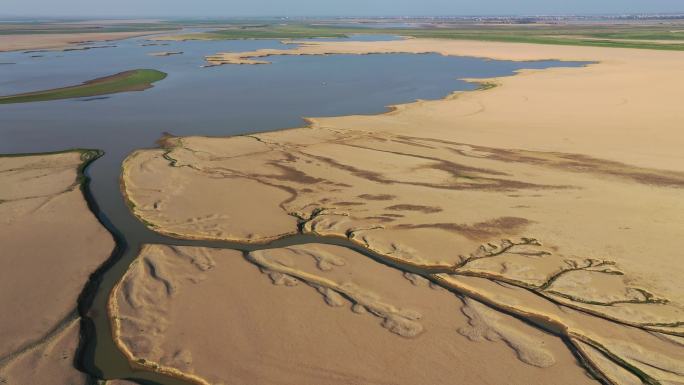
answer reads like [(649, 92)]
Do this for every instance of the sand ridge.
[(482, 243), (403, 322)]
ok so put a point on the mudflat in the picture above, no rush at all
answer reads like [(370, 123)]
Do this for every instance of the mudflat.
[(554, 197), (21, 42), (49, 363), (51, 243)]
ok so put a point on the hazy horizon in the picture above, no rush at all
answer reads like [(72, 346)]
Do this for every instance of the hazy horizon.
[(311, 8)]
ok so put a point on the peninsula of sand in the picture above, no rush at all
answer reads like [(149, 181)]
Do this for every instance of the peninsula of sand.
[(526, 233)]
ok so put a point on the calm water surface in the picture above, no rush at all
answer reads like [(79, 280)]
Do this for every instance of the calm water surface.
[(217, 101)]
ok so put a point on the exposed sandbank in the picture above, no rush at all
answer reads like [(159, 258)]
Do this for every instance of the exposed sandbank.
[(51, 243), (585, 160), (344, 319)]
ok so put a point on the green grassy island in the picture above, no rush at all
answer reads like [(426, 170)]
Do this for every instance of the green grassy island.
[(134, 80)]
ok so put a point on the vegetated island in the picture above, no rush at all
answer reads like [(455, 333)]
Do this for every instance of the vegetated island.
[(133, 80)]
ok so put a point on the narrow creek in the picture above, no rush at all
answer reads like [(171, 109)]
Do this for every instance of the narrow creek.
[(221, 101), (99, 354)]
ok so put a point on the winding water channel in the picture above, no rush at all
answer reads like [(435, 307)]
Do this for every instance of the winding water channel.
[(220, 101)]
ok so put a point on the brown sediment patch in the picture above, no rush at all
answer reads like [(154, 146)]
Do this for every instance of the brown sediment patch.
[(370, 175), (567, 162), (381, 219), (588, 164), (481, 231), (347, 204), (291, 174), (464, 183), (378, 197), (454, 168), (411, 143), (419, 208), (392, 215)]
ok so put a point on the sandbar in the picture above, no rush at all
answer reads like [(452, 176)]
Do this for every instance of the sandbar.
[(127, 81), (554, 195)]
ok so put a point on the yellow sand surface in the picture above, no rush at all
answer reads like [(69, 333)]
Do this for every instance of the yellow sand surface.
[(50, 244), (51, 363), (317, 314), (556, 196)]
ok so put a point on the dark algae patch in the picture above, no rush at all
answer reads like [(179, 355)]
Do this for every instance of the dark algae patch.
[(134, 80)]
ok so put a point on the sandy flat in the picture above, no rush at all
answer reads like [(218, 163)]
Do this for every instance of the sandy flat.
[(625, 108), (59, 40), (51, 243), (564, 185), (345, 320), (51, 363), (209, 221)]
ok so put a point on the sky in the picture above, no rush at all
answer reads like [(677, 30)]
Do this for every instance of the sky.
[(237, 8)]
